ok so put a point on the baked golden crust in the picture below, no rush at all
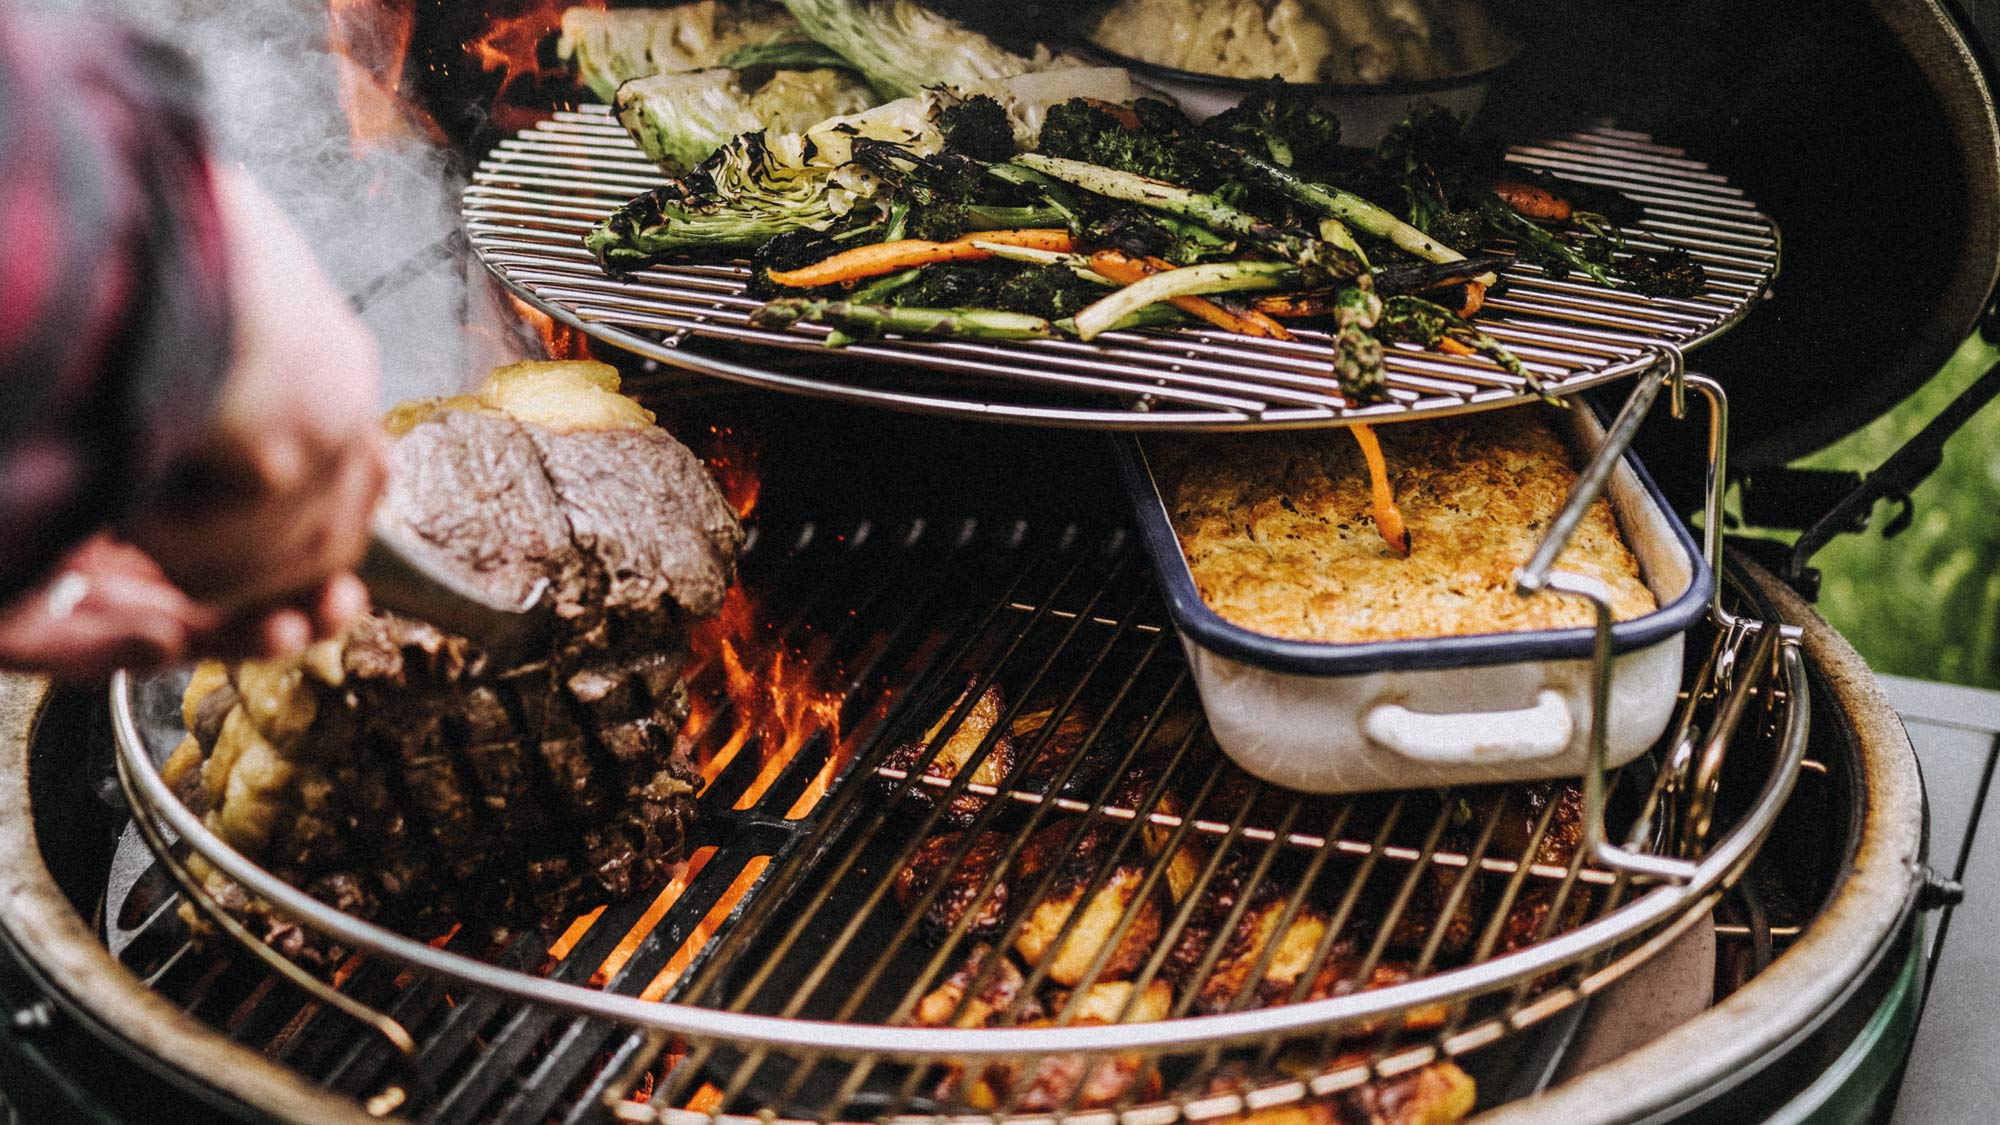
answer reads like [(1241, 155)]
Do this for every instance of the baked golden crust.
[(1278, 533)]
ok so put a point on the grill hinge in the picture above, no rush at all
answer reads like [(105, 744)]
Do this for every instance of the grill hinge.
[(1806, 490)]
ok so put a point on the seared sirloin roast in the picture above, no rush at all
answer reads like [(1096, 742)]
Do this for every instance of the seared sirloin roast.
[(404, 776)]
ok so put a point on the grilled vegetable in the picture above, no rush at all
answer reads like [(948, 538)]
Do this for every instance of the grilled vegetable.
[(1388, 517), (679, 119), (1086, 131), (740, 197), (1287, 128), (1334, 203), (876, 320), (1207, 209), (904, 47), (1126, 270), (760, 185), (785, 54), (888, 257), (1212, 277), (1430, 325), (611, 48)]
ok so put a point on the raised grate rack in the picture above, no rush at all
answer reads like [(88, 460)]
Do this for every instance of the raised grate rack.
[(535, 196)]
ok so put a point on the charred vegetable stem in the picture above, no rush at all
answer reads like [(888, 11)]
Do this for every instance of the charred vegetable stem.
[(1333, 203), (1508, 221), (1193, 281), (1209, 211), (1431, 325), (858, 320)]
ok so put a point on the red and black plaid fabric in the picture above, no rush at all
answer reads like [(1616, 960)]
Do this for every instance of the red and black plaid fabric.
[(114, 317)]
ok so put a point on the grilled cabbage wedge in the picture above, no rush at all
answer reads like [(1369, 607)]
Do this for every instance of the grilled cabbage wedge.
[(611, 48), (904, 47), (677, 120), (763, 184)]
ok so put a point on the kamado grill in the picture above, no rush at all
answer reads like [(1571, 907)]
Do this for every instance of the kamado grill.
[(1741, 943)]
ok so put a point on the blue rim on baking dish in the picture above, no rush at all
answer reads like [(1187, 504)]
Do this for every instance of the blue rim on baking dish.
[(1210, 630)]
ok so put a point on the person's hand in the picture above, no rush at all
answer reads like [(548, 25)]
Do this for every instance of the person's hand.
[(273, 508), (107, 606)]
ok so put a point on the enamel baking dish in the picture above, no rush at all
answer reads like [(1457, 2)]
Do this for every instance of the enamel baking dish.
[(1335, 718)]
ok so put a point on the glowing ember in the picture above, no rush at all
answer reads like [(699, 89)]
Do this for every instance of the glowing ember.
[(732, 459), (559, 341), (706, 928), (671, 894), (511, 45), (370, 40), (779, 699)]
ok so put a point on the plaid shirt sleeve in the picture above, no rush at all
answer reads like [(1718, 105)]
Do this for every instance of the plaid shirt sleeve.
[(114, 316)]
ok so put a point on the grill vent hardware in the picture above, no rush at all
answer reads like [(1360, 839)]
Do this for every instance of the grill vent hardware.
[(1063, 620), (537, 193)]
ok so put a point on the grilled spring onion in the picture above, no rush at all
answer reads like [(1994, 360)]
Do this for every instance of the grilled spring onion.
[(857, 320), (1126, 270), (1193, 281), (1201, 207)]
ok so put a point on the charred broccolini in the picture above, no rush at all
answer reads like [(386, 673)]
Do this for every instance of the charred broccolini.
[(944, 225)]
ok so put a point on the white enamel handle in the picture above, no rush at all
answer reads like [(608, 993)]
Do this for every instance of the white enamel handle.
[(1540, 731)]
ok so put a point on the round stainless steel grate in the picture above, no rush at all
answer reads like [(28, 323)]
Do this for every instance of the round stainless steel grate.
[(537, 193)]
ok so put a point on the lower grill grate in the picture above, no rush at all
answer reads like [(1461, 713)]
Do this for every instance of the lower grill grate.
[(790, 906)]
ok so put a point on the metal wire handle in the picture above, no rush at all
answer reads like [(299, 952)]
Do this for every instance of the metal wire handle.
[(1595, 842), (1539, 574), (1591, 479)]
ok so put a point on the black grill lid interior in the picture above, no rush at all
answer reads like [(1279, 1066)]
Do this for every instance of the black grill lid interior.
[(1866, 130)]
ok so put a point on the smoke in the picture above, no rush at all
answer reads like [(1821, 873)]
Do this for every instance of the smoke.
[(381, 212)]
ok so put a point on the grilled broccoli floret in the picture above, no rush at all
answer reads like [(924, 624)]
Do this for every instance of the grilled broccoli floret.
[(802, 246), (1146, 235), (1464, 227), (1666, 273), (1287, 126), (1052, 292), (1078, 130), (954, 285), (977, 128), (934, 193)]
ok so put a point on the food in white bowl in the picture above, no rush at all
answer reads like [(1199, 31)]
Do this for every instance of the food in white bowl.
[(1369, 61)]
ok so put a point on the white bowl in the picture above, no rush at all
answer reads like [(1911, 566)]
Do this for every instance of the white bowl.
[(1366, 112)]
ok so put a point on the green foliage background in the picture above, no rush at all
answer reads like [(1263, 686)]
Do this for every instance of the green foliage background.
[(1926, 603)]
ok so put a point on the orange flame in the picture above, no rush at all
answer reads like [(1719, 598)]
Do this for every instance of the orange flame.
[(732, 460), (370, 41), (511, 45), (559, 341), (781, 700)]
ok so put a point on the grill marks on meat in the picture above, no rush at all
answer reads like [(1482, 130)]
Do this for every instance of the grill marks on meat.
[(393, 773), (1090, 945), (1211, 934), (961, 749)]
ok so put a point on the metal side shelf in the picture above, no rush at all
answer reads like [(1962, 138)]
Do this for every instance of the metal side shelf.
[(1956, 731)]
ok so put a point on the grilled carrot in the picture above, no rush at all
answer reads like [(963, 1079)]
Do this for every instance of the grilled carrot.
[(1534, 202), (889, 257), (1475, 299), (1295, 306), (1388, 518), (1125, 270)]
